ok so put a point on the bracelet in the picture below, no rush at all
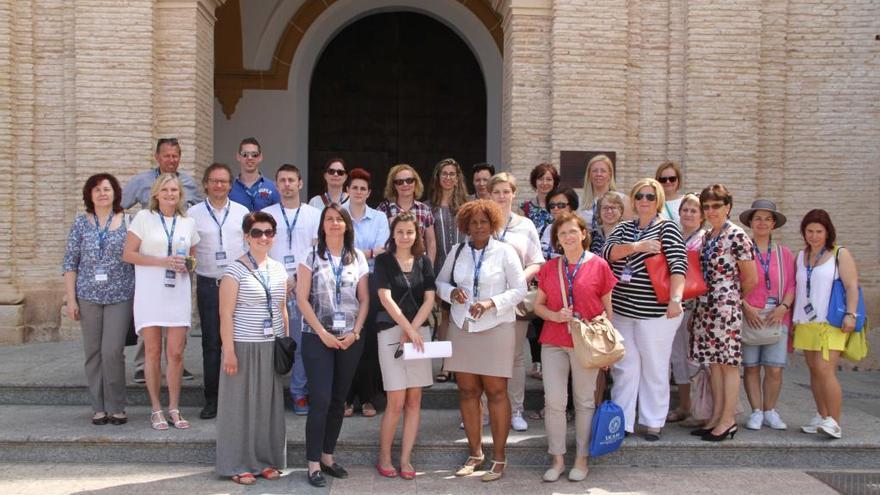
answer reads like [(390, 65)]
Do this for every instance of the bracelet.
[(786, 305)]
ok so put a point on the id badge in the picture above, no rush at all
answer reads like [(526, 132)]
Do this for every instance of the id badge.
[(267, 327), (772, 302), (290, 263), (627, 275), (100, 274), (170, 278), (220, 258), (810, 311), (338, 321)]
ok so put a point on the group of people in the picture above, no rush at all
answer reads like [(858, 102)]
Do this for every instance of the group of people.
[(353, 284)]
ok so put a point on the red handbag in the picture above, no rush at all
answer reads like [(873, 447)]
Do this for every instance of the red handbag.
[(658, 272)]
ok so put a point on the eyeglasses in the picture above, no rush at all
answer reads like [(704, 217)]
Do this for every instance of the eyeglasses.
[(448, 175), (217, 182), (671, 179), (712, 206), (648, 196), (249, 154), (609, 208), (408, 180), (257, 233), (336, 171), (560, 205)]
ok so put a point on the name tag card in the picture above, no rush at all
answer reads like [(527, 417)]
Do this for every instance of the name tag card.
[(100, 274), (170, 278), (220, 258), (290, 263)]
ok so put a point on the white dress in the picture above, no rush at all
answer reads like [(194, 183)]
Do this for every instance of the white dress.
[(156, 305)]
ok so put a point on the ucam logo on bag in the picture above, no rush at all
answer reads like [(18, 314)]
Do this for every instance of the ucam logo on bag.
[(607, 432)]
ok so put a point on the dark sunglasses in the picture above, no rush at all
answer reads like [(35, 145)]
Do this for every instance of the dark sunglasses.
[(553, 206), (336, 171), (257, 233), (249, 154), (166, 141), (712, 206), (399, 351), (648, 196), (672, 179), (408, 180)]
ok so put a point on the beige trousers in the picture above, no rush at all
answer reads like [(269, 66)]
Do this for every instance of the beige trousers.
[(556, 362)]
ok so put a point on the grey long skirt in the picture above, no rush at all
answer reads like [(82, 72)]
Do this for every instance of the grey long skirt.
[(251, 435)]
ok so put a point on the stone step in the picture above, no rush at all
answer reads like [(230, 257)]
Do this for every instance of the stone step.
[(65, 434)]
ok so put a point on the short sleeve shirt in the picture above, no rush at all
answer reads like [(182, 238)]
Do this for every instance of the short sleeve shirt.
[(408, 293), (251, 308), (154, 240), (322, 295)]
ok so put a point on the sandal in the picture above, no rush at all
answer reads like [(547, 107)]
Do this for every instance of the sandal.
[(244, 479), (368, 410), (99, 419), (491, 474), (676, 415), (118, 419), (157, 420), (442, 377), (470, 465), (407, 475), (536, 414), (271, 473), (349, 410), (179, 423)]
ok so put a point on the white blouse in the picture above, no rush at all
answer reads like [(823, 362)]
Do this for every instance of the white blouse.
[(820, 290)]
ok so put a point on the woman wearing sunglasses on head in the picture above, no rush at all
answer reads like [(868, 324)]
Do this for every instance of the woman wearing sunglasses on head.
[(251, 437), (669, 176), (333, 296), (610, 207), (405, 279), (402, 191), (647, 325), (335, 176)]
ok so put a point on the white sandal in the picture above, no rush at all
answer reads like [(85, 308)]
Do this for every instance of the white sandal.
[(157, 420), (491, 474), (179, 423)]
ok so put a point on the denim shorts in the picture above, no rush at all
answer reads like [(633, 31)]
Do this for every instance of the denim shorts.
[(775, 355)]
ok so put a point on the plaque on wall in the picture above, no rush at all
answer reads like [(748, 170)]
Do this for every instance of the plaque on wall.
[(573, 167)]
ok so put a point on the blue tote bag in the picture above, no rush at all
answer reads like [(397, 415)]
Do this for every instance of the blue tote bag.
[(608, 429), (837, 304)]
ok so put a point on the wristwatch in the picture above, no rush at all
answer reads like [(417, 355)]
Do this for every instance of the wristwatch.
[(357, 336), (787, 306), (854, 316), (675, 299)]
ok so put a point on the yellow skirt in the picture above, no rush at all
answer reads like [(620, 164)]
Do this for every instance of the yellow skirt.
[(819, 337)]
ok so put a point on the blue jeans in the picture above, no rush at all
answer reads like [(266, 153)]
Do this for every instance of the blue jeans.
[(299, 386)]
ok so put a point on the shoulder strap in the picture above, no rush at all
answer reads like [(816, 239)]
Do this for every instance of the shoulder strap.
[(455, 262), (837, 262), (527, 207), (779, 271), (562, 285), (325, 198)]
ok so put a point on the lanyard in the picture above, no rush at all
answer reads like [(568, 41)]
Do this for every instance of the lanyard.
[(549, 242), (102, 233), (290, 226), (477, 266), (330, 200), (570, 275), (709, 248), (264, 281), (637, 235), (594, 222), (337, 274), (219, 224), (169, 235), (506, 228), (765, 264), (810, 270), (693, 234)]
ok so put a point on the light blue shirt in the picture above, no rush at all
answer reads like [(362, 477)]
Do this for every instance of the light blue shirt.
[(371, 231)]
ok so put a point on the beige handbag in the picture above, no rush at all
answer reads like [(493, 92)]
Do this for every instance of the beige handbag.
[(597, 343)]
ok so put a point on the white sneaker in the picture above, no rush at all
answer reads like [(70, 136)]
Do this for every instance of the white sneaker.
[(755, 420), (772, 419), (518, 423), (813, 425), (830, 427)]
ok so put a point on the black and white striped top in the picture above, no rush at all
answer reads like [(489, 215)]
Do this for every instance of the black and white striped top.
[(637, 298), (250, 305)]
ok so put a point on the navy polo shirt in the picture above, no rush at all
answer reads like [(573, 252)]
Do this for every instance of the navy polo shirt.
[(261, 194)]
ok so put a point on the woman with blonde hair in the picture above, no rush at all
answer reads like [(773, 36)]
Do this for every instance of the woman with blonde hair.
[(598, 180), (668, 174), (402, 190)]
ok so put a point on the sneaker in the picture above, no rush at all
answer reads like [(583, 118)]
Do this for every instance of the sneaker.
[(518, 423), (301, 406), (772, 419), (755, 420), (813, 425), (187, 375), (829, 427), (139, 377)]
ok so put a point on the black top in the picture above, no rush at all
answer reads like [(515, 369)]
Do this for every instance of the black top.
[(389, 276)]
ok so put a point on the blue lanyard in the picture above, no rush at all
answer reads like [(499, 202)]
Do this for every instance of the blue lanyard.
[(219, 224), (765, 264), (102, 233), (637, 235), (570, 275), (594, 222), (506, 228), (809, 268), (169, 235), (477, 267), (330, 200), (290, 226), (264, 281), (337, 274)]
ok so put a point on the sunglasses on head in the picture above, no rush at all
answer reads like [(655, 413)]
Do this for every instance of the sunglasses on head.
[(408, 180), (712, 206), (336, 171), (249, 154), (671, 179), (649, 196), (172, 141), (257, 233), (560, 205)]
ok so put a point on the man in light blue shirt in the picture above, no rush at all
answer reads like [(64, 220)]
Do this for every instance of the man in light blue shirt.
[(250, 188), (137, 191)]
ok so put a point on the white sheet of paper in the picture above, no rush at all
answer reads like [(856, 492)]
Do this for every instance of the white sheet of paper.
[(439, 349)]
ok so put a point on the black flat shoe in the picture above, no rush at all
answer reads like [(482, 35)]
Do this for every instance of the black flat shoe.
[(209, 411), (317, 479), (709, 437), (335, 470), (100, 420), (653, 435), (118, 420), (700, 431)]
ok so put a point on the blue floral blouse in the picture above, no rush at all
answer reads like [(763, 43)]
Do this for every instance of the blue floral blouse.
[(538, 215), (83, 256)]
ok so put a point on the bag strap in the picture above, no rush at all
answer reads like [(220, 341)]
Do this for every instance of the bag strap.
[(262, 284), (455, 262), (837, 262), (779, 271), (562, 283)]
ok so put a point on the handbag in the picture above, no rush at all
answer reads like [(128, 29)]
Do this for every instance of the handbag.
[(701, 396), (597, 343), (837, 303), (285, 347), (658, 272), (525, 310), (767, 335), (856, 346), (607, 430)]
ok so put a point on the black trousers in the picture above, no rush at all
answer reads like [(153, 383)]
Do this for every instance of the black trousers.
[(329, 372), (367, 382), (208, 301)]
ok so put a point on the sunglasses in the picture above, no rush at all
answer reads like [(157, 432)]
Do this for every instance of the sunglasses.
[(648, 196), (712, 206), (672, 179), (258, 233), (408, 180), (399, 351), (336, 171), (249, 154), (172, 141), (560, 205)]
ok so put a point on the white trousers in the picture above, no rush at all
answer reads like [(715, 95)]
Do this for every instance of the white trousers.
[(556, 364), (642, 376)]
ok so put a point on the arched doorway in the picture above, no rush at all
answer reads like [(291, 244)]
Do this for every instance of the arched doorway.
[(396, 87)]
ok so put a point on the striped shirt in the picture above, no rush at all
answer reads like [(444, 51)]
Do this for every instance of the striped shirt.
[(637, 299), (250, 304)]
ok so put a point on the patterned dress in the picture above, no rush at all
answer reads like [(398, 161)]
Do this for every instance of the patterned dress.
[(718, 317)]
